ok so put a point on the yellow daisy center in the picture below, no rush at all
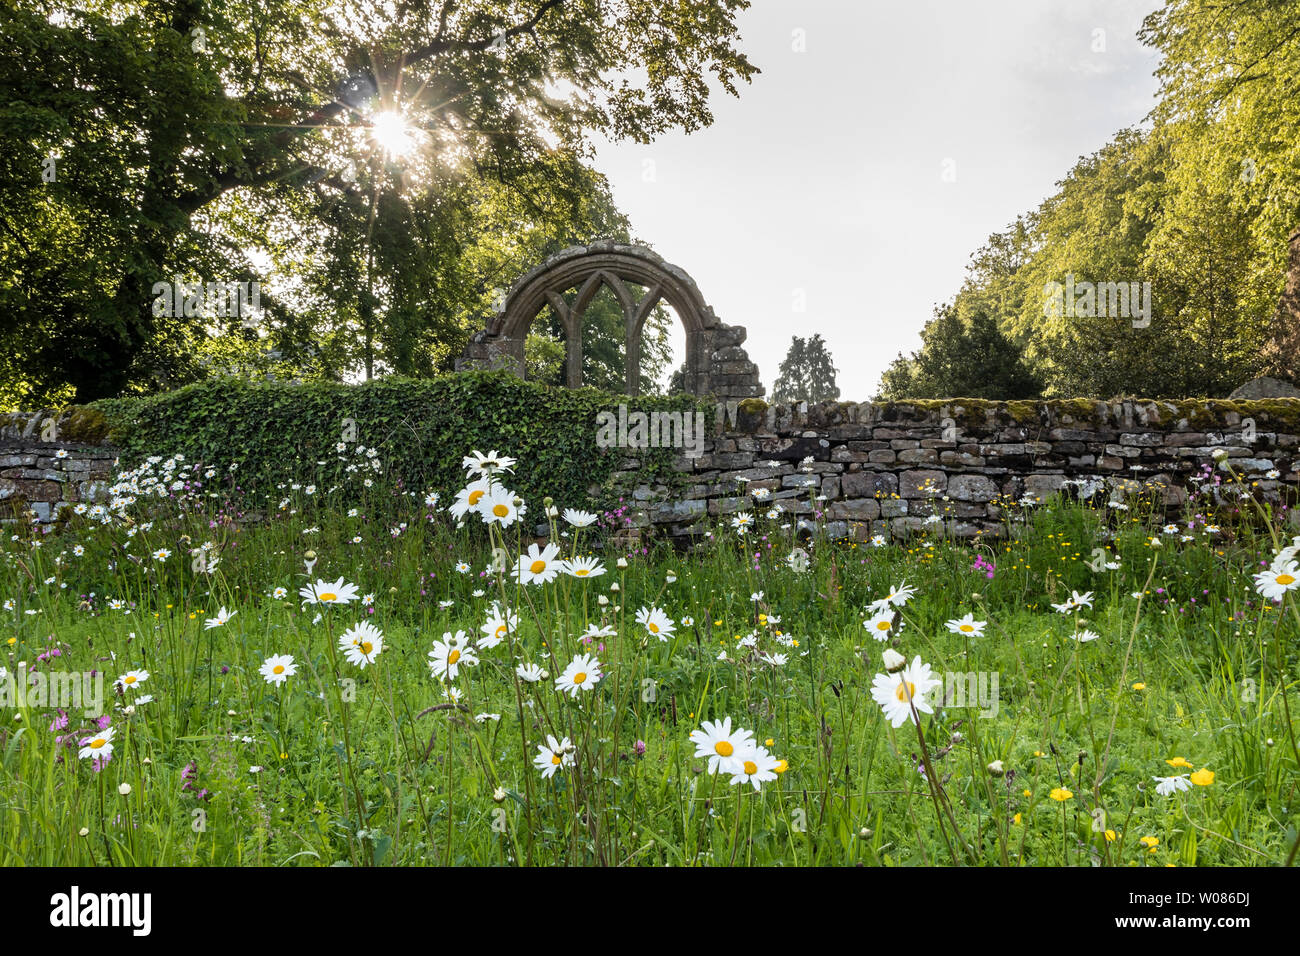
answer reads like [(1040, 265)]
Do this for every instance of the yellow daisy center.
[(500, 632), (538, 566), (967, 628), (128, 680), (579, 677), (453, 657), (277, 669), (906, 691), (1285, 579), (724, 748), (882, 626), (366, 647), (581, 572), (97, 743), (654, 628), (500, 510), (474, 496), (329, 596), (751, 768), (555, 759)]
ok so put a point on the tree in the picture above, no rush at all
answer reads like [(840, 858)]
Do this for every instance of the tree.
[(188, 134), (807, 374), (961, 358)]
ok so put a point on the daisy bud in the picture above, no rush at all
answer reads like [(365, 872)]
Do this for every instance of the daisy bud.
[(1219, 454), (1269, 742), (128, 710), (614, 586), (18, 717), (518, 502), (124, 789), (996, 768), (548, 501), (865, 833), (310, 555), (83, 832), (977, 596), (499, 794), (147, 762), (670, 577), (894, 661), (602, 600)]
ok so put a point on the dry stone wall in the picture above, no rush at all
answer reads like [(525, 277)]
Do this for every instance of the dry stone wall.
[(864, 469), (43, 470), (868, 469)]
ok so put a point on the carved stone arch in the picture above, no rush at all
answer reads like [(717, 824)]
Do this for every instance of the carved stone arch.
[(716, 364)]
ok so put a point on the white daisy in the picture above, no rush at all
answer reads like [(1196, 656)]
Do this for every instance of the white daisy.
[(967, 625), (656, 622), (539, 565), (721, 745), (278, 668), (325, 592), (362, 644), (898, 693), (583, 673), (450, 654)]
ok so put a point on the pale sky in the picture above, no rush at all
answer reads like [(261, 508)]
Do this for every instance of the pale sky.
[(825, 181)]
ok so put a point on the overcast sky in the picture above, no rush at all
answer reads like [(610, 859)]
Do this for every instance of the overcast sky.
[(824, 182)]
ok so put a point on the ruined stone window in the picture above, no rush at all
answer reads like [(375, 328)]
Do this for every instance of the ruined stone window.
[(715, 364)]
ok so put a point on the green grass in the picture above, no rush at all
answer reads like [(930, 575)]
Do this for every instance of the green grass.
[(373, 766)]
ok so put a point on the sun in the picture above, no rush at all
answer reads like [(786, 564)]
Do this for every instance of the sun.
[(390, 131)]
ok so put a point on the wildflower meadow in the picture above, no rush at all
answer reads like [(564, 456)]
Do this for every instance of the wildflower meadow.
[(350, 672)]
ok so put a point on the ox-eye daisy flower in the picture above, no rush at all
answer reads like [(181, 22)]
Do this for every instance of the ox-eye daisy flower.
[(579, 519), (487, 465), (898, 693), (755, 767), (1170, 785), (1277, 580), (132, 679), (967, 625), (880, 624), (721, 745), (553, 755), (539, 565), (499, 624), (1076, 601), (530, 673), (499, 507), (222, 617), (656, 622), (98, 746), (362, 644), (278, 668), (583, 673), (899, 596), (468, 498), (326, 592), (450, 654), (584, 567)]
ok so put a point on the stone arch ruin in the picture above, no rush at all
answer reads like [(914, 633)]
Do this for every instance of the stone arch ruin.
[(716, 363)]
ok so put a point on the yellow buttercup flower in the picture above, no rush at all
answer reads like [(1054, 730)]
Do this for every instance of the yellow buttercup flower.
[(1179, 762), (1203, 777), (1150, 843), (1139, 686), (1060, 794)]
